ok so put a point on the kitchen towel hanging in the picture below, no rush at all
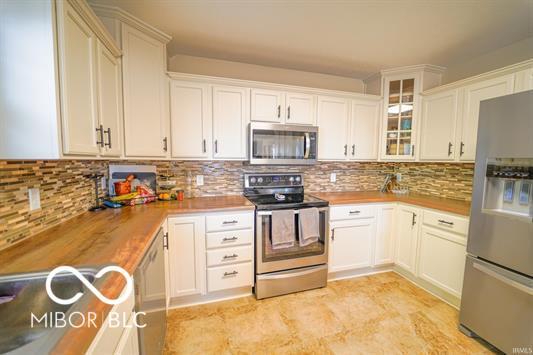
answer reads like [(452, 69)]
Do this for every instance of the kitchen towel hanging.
[(308, 226), (282, 229)]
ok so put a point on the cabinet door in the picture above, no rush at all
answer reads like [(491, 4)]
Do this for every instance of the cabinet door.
[(145, 90), (384, 246), (301, 109), (186, 251), (351, 244), (129, 340), (267, 106), (333, 118), (442, 259), (230, 121), (407, 238), (190, 119), (78, 83), (439, 119), (109, 100), (364, 130), (474, 94)]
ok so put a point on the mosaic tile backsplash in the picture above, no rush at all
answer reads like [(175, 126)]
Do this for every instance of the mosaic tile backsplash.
[(66, 192)]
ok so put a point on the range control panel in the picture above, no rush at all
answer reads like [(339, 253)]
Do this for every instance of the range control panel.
[(273, 180)]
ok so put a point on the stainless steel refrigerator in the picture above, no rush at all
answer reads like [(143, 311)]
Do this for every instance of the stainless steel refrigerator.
[(497, 298)]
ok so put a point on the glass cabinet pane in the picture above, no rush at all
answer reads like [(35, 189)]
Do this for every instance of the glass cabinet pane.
[(400, 117), (408, 89), (394, 91)]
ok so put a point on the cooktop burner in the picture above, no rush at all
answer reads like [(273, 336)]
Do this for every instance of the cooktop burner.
[(278, 191)]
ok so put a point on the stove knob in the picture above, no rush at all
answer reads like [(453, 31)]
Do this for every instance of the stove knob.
[(291, 179), (252, 180), (260, 180), (297, 179)]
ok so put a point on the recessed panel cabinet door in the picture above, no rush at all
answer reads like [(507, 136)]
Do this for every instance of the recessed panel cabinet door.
[(474, 94), (300, 109), (267, 106), (384, 246), (407, 237), (439, 118), (145, 90), (78, 83), (364, 130), (109, 100), (186, 255), (230, 121), (190, 119), (351, 244), (332, 120)]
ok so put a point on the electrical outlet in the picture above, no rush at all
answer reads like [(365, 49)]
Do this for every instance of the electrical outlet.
[(199, 180), (333, 177), (34, 197), (398, 177), (103, 183)]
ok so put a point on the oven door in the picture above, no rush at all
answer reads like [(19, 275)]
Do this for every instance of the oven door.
[(270, 260), (282, 144)]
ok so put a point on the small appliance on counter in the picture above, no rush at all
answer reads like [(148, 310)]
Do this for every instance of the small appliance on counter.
[(131, 185)]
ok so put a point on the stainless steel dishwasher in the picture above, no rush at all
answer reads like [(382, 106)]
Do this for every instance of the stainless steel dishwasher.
[(150, 298)]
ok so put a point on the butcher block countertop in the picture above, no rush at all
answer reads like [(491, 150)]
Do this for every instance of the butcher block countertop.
[(118, 236), (355, 197)]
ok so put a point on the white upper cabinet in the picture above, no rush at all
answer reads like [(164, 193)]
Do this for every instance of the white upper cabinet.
[(145, 94), (300, 109), (364, 130), (407, 237), (474, 94), (190, 107), (77, 47), (231, 115), (333, 117), (439, 120), (401, 105), (109, 101), (267, 106)]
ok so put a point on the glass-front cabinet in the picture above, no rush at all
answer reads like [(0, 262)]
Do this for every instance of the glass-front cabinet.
[(401, 101)]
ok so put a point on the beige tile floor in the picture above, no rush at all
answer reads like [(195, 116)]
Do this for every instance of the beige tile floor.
[(383, 314)]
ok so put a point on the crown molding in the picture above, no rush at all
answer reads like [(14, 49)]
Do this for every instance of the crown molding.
[(135, 22), (414, 68)]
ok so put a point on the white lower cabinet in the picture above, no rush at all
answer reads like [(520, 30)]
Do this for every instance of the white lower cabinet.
[(186, 249), (351, 244), (407, 237), (442, 259), (384, 245)]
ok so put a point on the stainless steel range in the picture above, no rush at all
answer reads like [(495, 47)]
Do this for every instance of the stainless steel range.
[(298, 265)]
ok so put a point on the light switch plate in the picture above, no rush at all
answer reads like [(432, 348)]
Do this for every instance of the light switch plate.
[(34, 196), (398, 177), (199, 180), (333, 177)]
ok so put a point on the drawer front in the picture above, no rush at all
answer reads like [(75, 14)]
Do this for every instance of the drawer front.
[(229, 255), (229, 238), (229, 221), (230, 276), (351, 212), (446, 222)]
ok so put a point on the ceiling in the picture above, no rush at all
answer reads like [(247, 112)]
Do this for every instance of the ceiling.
[(351, 38)]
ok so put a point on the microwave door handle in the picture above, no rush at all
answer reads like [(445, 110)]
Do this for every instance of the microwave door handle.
[(307, 143)]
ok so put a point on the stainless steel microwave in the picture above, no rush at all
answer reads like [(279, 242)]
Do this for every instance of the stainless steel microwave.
[(275, 144)]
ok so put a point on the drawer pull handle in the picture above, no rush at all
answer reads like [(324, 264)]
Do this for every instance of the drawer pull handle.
[(226, 239), (230, 256), (230, 222), (233, 273), (445, 222), (355, 212)]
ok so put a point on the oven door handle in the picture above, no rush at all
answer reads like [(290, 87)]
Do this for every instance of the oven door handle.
[(292, 274), (307, 143), (269, 213)]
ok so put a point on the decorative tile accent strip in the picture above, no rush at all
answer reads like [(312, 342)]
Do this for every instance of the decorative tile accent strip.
[(65, 192)]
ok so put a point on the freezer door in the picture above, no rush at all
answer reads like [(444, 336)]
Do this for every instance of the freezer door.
[(505, 131), (497, 305)]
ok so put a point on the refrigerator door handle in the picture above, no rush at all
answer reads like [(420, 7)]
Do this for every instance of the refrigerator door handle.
[(499, 277)]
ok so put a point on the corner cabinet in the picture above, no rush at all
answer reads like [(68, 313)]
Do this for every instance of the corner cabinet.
[(407, 237), (401, 104)]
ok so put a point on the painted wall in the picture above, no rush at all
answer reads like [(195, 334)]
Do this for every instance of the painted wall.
[(236, 70), (514, 53)]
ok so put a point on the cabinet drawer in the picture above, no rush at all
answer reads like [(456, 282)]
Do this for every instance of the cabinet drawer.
[(351, 211), (229, 255), (230, 276), (229, 238), (446, 222), (229, 221)]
